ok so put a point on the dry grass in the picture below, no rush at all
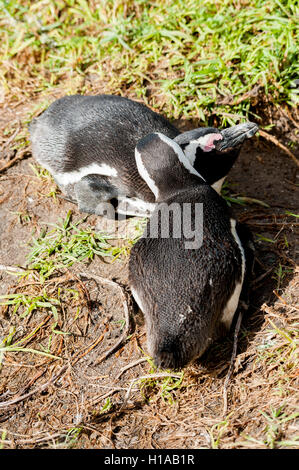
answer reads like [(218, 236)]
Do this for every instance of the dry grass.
[(73, 365)]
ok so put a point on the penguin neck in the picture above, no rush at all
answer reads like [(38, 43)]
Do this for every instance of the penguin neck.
[(215, 165), (176, 182), (170, 173)]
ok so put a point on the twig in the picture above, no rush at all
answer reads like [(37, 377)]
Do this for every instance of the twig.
[(38, 389), (86, 293), (261, 277), (232, 362), (33, 380), (129, 366), (284, 302), (19, 156), (249, 94), (281, 298), (288, 116), (13, 136), (90, 348), (11, 268), (126, 312), (276, 142), (260, 215), (252, 200), (95, 400), (274, 224), (35, 440), (232, 99), (7, 196)]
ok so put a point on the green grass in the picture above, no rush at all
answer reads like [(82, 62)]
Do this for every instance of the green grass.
[(217, 431), (231, 198), (274, 429), (24, 305), (8, 346), (294, 215), (280, 274), (66, 244), (190, 58), (153, 386), (30, 303)]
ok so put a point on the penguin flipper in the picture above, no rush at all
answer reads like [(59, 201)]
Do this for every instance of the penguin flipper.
[(134, 207), (249, 251), (93, 194)]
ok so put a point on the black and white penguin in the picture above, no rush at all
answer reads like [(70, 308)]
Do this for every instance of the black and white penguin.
[(187, 293), (87, 143)]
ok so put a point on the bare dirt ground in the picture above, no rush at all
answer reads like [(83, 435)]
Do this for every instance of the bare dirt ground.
[(84, 398)]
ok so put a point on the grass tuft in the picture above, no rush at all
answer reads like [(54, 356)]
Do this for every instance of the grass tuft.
[(66, 244), (176, 55)]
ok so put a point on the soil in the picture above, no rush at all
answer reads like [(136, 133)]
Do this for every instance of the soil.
[(90, 405)]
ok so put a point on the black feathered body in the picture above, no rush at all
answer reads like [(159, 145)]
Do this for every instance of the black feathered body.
[(184, 292), (87, 143), (78, 131)]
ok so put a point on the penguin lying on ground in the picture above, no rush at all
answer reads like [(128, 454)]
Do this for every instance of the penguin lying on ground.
[(87, 143), (187, 293)]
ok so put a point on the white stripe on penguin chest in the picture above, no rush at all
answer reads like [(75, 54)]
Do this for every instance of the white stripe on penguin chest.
[(72, 177), (232, 304)]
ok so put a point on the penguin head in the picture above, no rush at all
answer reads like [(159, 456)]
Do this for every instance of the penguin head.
[(176, 343), (163, 166), (212, 151)]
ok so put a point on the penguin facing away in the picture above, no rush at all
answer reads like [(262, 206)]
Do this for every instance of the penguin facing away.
[(188, 295), (87, 143)]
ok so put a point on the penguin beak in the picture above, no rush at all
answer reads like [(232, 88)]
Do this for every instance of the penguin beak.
[(234, 136)]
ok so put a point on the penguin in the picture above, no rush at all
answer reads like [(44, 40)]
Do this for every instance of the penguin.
[(189, 270), (87, 143)]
